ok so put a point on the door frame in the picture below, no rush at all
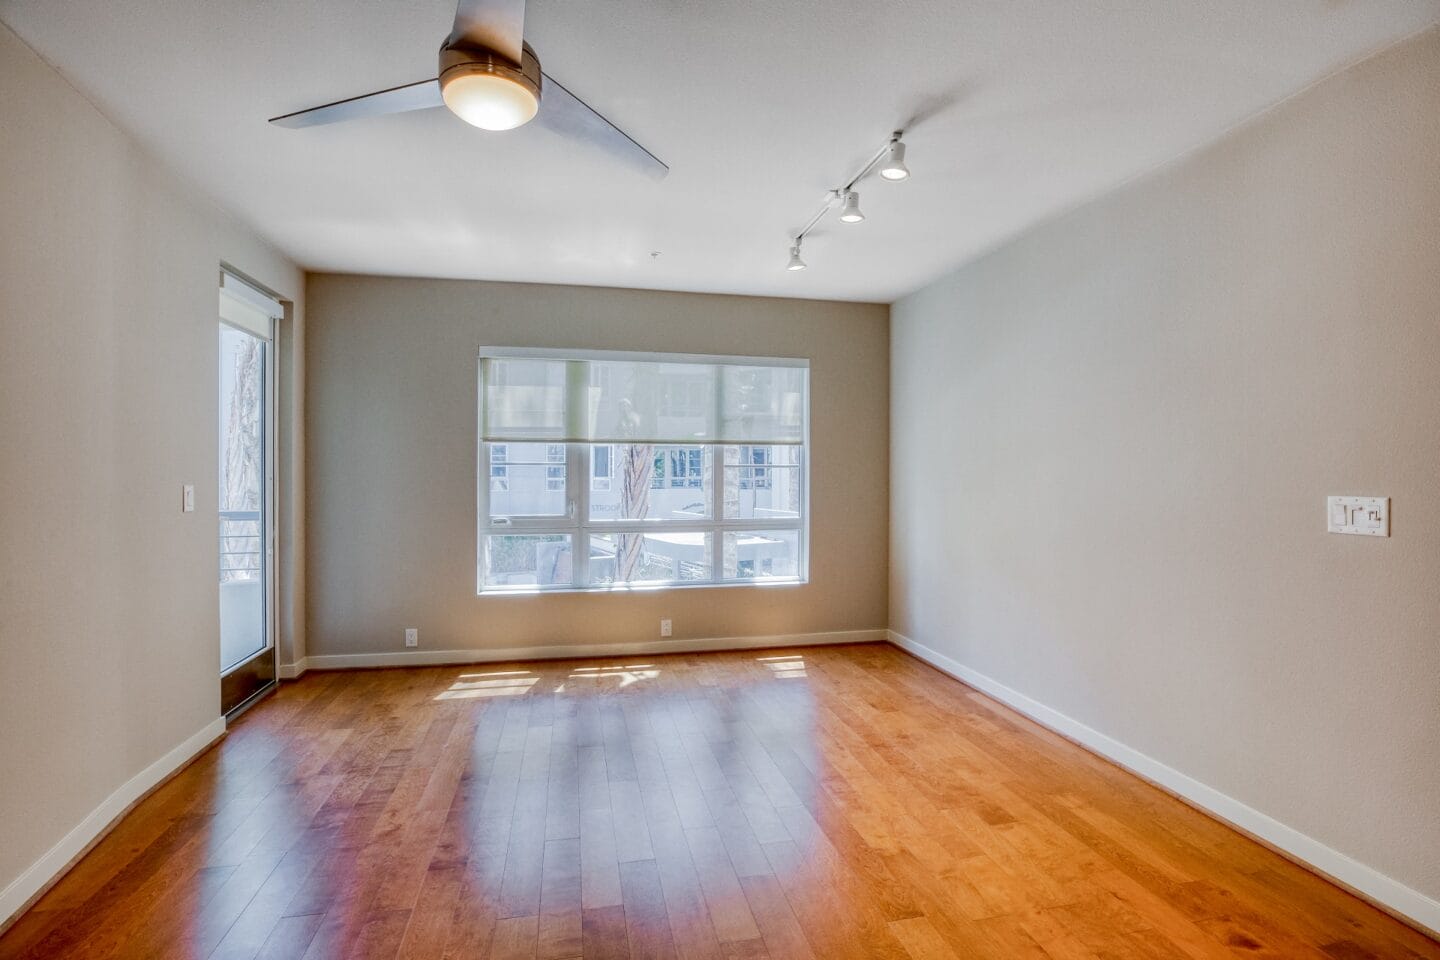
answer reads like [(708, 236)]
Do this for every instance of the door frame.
[(251, 679)]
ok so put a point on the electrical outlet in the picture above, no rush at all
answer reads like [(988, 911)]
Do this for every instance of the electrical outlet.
[(665, 628), (412, 637)]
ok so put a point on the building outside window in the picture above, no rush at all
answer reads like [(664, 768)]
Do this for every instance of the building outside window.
[(499, 472), (555, 475), (600, 474)]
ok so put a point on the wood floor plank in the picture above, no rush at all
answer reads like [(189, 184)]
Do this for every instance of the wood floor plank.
[(724, 898), (840, 802), (778, 926), (921, 940), (515, 939), (646, 918), (605, 937), (560, 901)]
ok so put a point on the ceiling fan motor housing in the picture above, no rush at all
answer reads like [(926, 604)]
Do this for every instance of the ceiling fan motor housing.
[(458, 58)]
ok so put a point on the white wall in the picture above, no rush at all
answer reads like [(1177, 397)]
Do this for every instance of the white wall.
[(108, 382), (392, 461), (1139, 409)]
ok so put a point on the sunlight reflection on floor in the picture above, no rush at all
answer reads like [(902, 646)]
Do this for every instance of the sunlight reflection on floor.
[(785, 667), (512, 683), (515, 683), (633, 673)]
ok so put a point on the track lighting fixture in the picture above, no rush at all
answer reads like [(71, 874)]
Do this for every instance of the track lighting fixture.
[(894, 166), (889, 161)]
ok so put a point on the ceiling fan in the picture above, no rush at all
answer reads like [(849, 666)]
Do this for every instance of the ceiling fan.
[(491, 78)]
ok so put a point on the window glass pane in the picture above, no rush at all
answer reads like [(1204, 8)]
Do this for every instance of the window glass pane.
[(514, 560), (657, 557), (652, 482), (523, 399), (761, 555), (526, 480), (650, 401), (761, 481), (766, 404)]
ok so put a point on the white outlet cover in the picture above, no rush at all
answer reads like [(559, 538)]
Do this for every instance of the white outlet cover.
[(665, 628), (412, 637), (1358, 516)]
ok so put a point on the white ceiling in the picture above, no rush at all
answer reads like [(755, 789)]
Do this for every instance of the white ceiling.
[(1030, 107)]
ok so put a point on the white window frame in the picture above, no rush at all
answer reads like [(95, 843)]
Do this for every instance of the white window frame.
[(577, 524)]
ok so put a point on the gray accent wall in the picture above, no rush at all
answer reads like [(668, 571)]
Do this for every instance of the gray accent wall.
[(392, 461)]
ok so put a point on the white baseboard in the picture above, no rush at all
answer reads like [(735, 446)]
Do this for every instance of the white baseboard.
[(1390, 895), (43, 873), (428, 658)]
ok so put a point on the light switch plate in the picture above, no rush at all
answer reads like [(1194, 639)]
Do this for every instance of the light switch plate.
[(187, 498), (1361, 516)]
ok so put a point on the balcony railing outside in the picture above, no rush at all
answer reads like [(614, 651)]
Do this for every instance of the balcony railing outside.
[(240, 545)]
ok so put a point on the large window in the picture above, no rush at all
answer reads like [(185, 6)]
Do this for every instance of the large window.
[(602, 471)]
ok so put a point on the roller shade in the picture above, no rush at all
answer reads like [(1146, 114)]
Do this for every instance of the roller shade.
[(247, 307), (625, 398)]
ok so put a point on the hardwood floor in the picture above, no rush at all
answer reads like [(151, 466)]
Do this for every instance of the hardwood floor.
[(818, 803)]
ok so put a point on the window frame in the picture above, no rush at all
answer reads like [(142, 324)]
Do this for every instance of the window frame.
[(577, 523)]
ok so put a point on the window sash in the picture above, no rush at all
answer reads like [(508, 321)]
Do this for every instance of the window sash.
[(577, 524)]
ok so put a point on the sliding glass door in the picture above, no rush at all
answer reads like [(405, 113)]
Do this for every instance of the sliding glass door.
[(245, 542)]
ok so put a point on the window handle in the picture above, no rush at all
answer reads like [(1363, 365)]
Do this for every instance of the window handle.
[(500, 521)]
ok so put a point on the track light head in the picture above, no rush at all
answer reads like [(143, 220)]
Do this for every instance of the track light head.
[(795, 262), (850, 212), (893, 168)]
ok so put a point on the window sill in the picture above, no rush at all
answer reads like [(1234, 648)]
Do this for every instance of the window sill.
[(632, 588)]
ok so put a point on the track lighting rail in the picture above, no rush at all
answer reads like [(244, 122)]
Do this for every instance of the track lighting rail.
[(889, 159)]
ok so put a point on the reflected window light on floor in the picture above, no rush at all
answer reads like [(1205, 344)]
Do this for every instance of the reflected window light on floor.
[(783, 667), (502, 683), (514, 683), (629, 674)]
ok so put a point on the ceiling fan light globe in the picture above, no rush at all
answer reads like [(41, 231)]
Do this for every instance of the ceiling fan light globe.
[(487, 90), (489, 101)]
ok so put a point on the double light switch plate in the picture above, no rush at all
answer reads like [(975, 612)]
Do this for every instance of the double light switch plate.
[(1363, 516)]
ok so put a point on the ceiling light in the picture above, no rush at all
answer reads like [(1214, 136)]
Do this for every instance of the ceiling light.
[(894, 166), (850, 212), (795, 262), (488, 101), (488, 91)]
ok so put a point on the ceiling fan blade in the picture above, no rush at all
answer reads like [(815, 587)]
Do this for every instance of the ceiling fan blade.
[(497, 25), (565, 113), (412, 96)]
